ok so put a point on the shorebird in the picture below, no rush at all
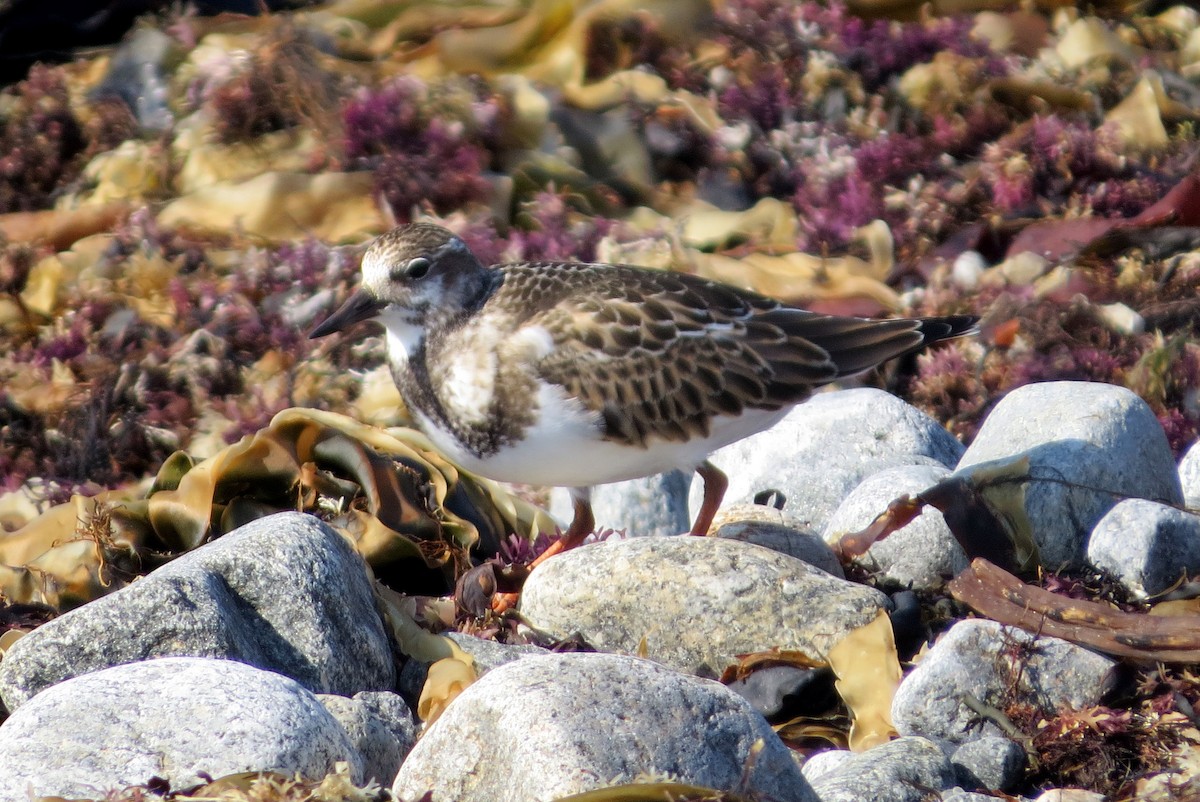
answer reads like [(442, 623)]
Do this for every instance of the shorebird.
[(578, 374)]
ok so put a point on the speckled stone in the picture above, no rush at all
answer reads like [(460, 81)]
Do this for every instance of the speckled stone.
[(284, 593), (1189, 476), (694, 603), (903, 770), (921, 554), (544, 727), (381, 728), (771, 528), (652, 505), (1148, 546), (977, 657), (992, 762), (177, 718)]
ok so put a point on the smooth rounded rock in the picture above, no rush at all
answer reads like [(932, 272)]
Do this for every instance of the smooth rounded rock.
[(380, 727), (903, 770), (981, 659), (923, 553), (992, 763), (769, 528), (652, 505), (1148, 546), (1069, 795), (487, 654), (284, 593), (1089, 445), (959, 795), (178, 718), (545, 727), (824, 763), (1189, 476), (694, 603), (826, 446)]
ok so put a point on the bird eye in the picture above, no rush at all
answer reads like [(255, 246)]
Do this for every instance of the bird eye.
[(417, 268)]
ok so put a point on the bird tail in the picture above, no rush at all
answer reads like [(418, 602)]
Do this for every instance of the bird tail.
[(856, 345), (935, 329)]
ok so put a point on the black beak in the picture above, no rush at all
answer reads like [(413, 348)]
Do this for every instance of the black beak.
[(362, 305)]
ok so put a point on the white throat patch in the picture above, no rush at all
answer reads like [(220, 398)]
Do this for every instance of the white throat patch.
[(404, 337)]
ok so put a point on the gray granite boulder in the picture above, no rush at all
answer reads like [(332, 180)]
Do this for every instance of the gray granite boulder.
[(652, 505), (980, 659), (487, 654), (826, 446), (825, 763), (177, 718), (545, 727), (1089, 446), (381, 729), (694, 603), (903, 770), (922, 554), (1148, 546), (285, 593)]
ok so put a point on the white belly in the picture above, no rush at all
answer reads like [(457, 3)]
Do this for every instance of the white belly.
[(564, 448)]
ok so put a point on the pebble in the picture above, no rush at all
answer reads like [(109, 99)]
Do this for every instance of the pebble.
[(694, 603), (1189, 476), (767, 527), (545, 727), (1148, 546), (381, 728), (903, 770), (979, 658), (285, 593), (1068, 795), (991, 763), (178, 718), (959, 795), (287, 604), (922, 554), (825, 763), (1090, 445)]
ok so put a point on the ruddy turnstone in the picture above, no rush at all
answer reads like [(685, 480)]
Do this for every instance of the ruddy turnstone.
[(576, 374)]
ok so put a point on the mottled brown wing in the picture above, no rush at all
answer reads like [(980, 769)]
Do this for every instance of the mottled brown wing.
[(662, 354)]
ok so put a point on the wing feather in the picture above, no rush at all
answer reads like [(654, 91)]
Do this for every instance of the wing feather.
[(658, 354)]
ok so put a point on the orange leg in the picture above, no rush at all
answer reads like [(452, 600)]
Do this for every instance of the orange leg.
[(715, 484), (582, 524)]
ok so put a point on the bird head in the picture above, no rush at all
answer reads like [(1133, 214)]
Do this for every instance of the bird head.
[(410, 274)]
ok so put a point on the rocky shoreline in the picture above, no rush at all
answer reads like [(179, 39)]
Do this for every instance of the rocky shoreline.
[(265, 650)]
